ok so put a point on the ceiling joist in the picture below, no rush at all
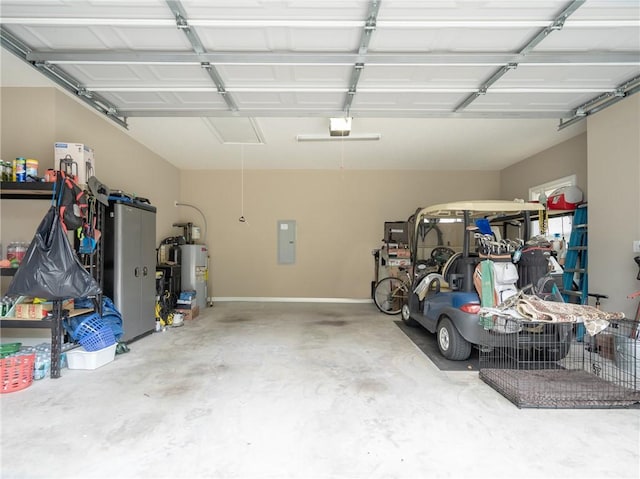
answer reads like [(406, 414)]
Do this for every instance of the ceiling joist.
[(62, 79), (80, 57), (196, 44), (337, 113), (556, 24), (363, 58), (365, 39), (602, 101), (321, 23)]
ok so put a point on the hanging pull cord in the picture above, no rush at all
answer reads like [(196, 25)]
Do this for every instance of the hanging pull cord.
[(242, 219)]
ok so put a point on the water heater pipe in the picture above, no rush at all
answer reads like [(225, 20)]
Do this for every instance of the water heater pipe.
[(204, 219)]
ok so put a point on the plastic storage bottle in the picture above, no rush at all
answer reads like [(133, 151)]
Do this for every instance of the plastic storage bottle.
[(556, 243), (15, 252)]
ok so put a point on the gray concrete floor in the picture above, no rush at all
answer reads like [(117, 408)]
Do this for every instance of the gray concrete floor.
[(294, 390)]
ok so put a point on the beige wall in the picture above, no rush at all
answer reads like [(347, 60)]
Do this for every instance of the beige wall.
[(567, 158), (33, 119), (28, 123), (610, 152), (614, 202), (28, 127), (340, 219), (121, 162), (340, 214)]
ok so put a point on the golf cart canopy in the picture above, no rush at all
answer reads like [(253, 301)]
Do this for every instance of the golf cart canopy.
[(469, 211), (477, 209)]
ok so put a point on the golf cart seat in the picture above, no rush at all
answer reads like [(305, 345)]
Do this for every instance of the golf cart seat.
[(431, 283), (453, 271)]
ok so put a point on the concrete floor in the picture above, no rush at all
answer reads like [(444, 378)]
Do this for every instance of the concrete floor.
[(293, 390)]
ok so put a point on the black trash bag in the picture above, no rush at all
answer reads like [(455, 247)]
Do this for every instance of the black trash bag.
[(50, 269)]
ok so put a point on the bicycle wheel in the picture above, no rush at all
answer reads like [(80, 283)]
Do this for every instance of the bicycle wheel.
[(389, 295)]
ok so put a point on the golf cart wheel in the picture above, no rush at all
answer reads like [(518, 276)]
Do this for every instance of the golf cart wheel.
[(390, 294), (405, 314), (451, 343)]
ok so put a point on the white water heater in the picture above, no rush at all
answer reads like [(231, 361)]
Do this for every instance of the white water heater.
[(195, 271)]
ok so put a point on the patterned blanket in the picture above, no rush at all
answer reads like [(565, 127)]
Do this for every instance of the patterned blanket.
[(533, 308), (595, 320)]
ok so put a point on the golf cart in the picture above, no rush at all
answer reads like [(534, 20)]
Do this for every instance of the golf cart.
[(447, 303)]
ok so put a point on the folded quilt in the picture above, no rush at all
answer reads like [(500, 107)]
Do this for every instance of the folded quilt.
[(533, 308), (594, 319)]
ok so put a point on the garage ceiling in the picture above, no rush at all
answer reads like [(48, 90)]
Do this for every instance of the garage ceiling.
[(261, 73)]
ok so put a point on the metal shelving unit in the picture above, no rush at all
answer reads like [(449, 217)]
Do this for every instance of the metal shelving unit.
[(25, 191), (43, 191), (35, 191)]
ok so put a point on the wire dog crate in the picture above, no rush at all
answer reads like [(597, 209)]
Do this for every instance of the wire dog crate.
[(545, 365)]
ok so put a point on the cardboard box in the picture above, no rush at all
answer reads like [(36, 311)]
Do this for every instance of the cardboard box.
[(82, 155), (399, 253), (189, 314), (605, 345), (399, 262), (29, 310)]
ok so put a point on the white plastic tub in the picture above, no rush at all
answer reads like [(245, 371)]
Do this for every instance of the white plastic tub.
[(80, 359)]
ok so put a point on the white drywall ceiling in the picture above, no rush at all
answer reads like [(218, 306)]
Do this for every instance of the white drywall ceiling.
[(447, 84)]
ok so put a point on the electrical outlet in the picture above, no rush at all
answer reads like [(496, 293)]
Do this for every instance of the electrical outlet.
[(636, 246)]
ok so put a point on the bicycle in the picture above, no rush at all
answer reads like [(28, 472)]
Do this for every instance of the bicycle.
[(391, 292)]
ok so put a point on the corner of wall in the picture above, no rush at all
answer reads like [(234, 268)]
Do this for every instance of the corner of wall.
[(565, 159)]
